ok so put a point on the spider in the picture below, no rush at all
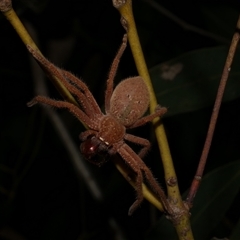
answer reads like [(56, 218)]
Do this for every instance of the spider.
[(106, 133)]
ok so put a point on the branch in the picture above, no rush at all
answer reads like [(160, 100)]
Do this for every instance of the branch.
[(180, 215), (11, 16), (227, 68), (184, 24)]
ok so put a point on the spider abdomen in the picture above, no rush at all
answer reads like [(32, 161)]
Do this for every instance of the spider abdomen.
[(130, 100)]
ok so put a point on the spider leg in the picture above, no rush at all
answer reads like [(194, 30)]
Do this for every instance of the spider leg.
[(130, 158), (112, 73), (83, 87), (84, 135), (156, 188), (139, 167), (87, 101), (76, 111), (141, 141), (159, 111)]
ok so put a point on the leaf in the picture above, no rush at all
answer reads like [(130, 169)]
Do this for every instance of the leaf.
[(215, 195), (236, 232), (190, 82)]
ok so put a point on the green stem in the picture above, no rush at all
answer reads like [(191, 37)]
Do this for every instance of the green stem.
[(180, 217), (12, 17)]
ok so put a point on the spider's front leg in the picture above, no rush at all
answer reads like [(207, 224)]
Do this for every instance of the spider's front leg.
[(77, 112), (140, 141), (127, 154), (139, 167), (74, 85)]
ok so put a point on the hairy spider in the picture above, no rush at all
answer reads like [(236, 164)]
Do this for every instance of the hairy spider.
[(106, 134)]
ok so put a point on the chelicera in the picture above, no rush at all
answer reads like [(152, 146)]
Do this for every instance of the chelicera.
[(106, 133)]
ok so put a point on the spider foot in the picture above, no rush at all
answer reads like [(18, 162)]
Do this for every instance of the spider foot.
[(160, 110), (124, 39), (32, 103), (134, 206)]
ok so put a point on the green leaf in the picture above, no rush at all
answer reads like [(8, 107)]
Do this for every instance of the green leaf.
[(190, 82), (236, 232), (215, 195)]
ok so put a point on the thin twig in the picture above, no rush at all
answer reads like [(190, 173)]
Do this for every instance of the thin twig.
[(215, 112), (178, 213), (77, 160), (11, 16), (128, 22), (184, 24)]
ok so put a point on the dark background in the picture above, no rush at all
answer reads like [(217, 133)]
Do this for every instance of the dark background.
[(41, 196)]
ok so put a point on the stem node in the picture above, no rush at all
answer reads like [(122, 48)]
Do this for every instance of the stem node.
[(5, 5)]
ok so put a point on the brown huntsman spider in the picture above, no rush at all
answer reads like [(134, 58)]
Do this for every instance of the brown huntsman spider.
[(106, 133)]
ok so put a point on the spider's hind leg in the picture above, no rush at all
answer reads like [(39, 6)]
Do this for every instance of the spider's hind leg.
[(112, 73), (159, 111)]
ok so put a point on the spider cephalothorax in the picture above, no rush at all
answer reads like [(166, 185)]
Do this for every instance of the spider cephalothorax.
[(106, 134)]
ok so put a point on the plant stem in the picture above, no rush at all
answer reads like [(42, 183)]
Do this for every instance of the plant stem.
[(180, 217), (11, 16), (226, 70), (128, 19), (185, 25)]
